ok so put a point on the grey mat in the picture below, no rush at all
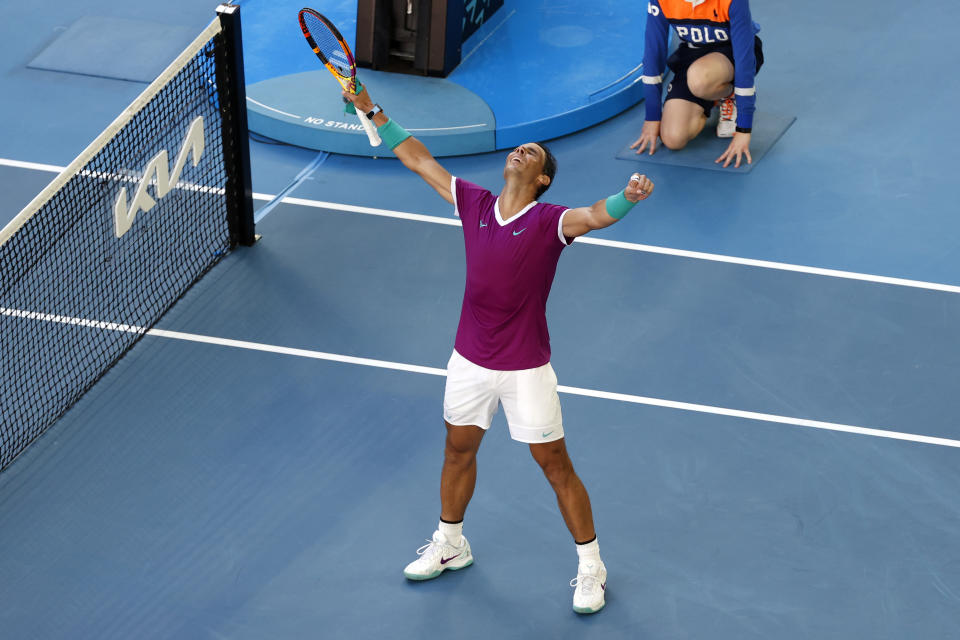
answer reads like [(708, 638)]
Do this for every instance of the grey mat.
[(707, 147), (114, 48)]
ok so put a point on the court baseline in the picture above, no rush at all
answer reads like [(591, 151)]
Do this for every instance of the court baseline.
[(411, 368), (274, 199)]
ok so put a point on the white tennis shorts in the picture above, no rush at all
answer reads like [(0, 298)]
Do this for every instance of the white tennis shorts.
[(529, 399)]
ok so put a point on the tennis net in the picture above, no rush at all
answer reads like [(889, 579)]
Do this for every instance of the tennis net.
[(120, 235)]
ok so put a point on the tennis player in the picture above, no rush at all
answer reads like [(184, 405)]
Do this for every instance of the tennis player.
[(718, 57), (502, 348)]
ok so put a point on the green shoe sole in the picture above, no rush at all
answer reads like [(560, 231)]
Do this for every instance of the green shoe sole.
[(588, 610)]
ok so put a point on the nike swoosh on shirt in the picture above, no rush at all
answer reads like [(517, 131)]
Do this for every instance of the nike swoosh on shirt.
[(482, 225), (547, 433), (516, 233)]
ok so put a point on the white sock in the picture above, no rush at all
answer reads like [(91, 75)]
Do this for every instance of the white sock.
[(452, 532), (589, 552)]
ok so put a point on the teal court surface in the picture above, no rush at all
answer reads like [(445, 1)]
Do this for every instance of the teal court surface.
[(757, 369)]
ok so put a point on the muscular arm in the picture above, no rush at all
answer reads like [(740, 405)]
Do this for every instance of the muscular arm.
[(411, 152), (582, 220), (415, 156)]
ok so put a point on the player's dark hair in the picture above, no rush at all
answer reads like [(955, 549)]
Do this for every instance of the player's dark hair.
[(549, 168)]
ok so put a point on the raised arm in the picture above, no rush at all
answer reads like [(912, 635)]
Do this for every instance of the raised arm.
[(603, 213), (412, 153)]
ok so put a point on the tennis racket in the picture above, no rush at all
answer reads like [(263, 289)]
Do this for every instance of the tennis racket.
[(332, 49)]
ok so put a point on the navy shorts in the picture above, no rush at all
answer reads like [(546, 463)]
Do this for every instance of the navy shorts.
[(685, 55)]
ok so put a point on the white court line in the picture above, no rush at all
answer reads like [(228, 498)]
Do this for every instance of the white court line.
[(646, 248), (260, 104), (293, 115), (79, 322), (370, 211), (411, 368), (576, 391), (462, 126), (301, 353), (630, 246), (31, 165)]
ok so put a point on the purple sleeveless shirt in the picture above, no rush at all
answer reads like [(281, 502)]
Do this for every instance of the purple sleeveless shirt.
[(510, 269)]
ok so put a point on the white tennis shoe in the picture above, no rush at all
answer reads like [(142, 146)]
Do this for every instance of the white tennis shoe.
[(437, 556), (591, 584), (727, 124)]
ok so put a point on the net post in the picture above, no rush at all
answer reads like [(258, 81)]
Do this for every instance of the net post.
[(236, 145)]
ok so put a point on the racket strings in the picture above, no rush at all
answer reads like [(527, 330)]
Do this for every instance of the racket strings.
[(329, 46)]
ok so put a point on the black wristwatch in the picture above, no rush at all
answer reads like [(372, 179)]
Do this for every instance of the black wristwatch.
[(376, 109)]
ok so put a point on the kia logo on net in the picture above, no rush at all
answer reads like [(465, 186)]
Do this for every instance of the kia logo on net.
[(160, 177)]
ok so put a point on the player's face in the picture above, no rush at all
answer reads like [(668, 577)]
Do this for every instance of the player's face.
[(526, 161)]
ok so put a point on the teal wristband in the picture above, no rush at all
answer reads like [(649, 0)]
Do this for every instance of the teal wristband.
[(618, 205), (348, 107), (392, 133)]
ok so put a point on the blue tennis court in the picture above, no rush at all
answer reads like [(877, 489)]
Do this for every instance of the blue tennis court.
[(757, 371)]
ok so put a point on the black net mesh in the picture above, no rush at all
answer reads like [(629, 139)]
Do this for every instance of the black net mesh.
[(74, 297)]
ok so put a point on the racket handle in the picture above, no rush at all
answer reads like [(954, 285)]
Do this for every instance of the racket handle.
[(371, 130)]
